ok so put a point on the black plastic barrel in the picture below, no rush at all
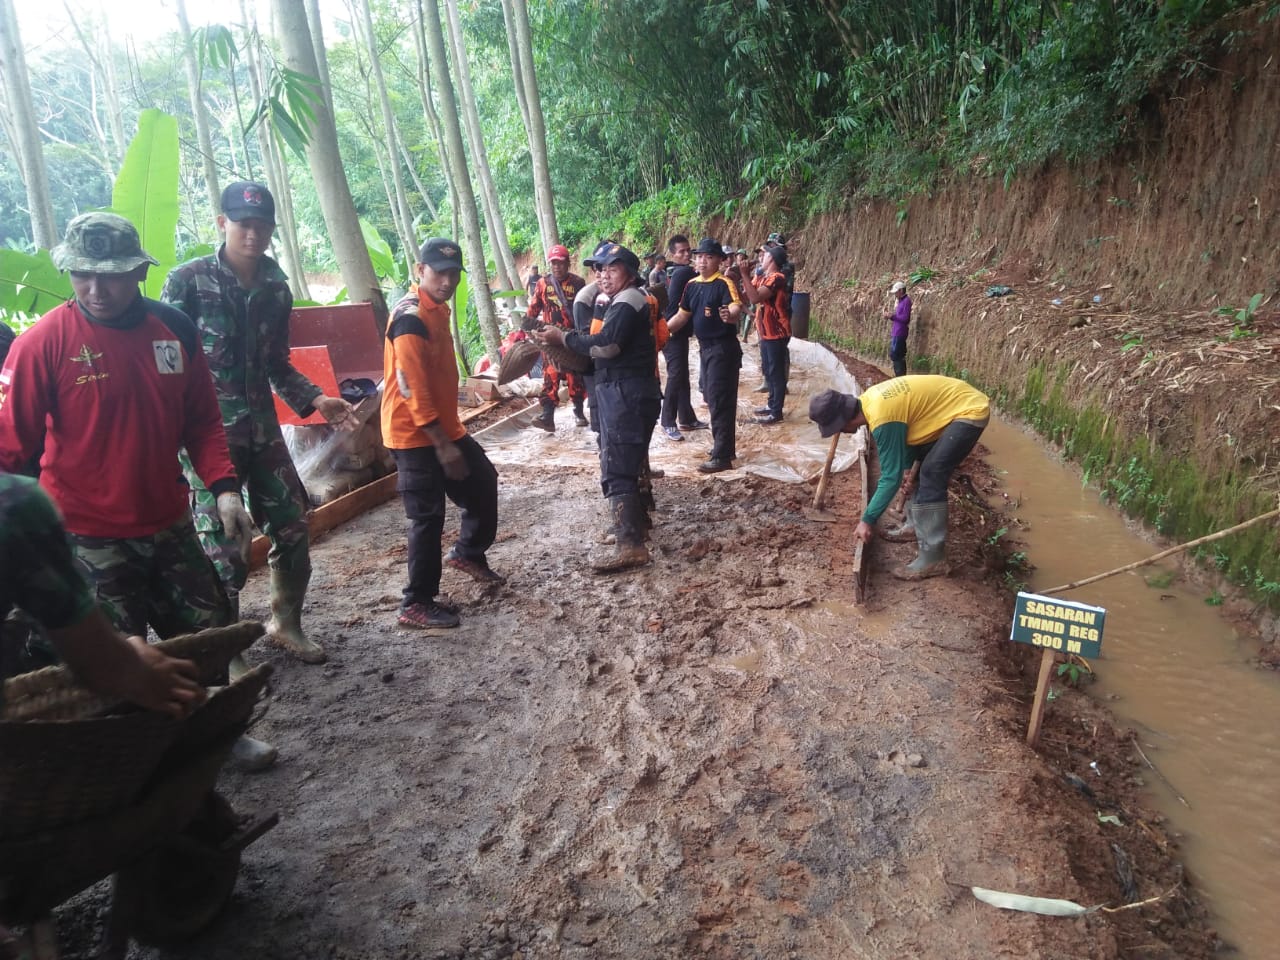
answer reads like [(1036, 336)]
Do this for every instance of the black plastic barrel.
[(800, 315)]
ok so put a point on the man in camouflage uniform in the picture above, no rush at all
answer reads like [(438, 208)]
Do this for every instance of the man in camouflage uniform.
[(240, 301), (115, 385), (38, 572)]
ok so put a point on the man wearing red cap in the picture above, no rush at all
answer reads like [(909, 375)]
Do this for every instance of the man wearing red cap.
[(552, 302)]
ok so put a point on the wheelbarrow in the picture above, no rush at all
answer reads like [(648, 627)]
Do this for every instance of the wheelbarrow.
[(90, 789)]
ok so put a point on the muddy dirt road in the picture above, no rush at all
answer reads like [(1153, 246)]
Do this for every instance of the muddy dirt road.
[(718, 755)]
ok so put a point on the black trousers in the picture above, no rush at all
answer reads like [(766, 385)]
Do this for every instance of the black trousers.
[(423, 486), (898, 354), (628, 411), (721, 361), (677, 406), (941, 459), (773, 363)]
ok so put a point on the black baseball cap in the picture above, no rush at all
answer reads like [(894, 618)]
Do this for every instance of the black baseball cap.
[(246, 200), (832, 411), (616, 253), (441, 253), (597, 253)]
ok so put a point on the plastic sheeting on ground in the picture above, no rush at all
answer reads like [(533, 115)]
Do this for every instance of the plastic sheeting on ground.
[(791, 451)]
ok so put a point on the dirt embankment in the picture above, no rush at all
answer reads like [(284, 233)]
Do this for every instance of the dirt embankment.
[(1115, 271)]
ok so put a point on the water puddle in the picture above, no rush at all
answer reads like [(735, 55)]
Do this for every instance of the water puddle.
[(1179, 674)]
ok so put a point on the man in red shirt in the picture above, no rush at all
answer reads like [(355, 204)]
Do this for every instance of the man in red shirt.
[(767, 289), (552, 302), (434, 454), (115, 385)]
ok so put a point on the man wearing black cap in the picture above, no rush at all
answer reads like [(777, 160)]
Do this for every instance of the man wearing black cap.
[(239, 298), (433, 452), (711, 303), (930, 420), (590, 304), (625, 353), (677, 405)]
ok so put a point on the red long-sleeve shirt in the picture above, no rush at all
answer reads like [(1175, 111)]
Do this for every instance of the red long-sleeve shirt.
[(114, 403)]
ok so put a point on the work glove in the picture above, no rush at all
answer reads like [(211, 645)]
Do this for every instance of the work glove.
[(236, 523)]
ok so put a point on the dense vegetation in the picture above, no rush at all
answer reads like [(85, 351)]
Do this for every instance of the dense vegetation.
[(667, 106)]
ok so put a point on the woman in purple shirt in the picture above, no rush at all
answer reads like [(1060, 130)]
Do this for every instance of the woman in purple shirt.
[(901, 318)]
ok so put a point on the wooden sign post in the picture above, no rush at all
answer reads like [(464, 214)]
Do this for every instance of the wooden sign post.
[(1056, 626)]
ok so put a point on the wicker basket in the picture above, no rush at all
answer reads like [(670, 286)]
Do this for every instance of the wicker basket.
[(54, 693)]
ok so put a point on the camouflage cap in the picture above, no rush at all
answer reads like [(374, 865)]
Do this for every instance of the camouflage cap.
[(101, 243)]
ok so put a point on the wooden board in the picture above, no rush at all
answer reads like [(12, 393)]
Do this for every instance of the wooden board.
[(350, 505)]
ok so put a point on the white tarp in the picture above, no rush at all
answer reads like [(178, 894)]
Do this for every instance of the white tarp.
[(791, 451)]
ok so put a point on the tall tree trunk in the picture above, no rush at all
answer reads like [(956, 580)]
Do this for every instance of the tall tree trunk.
[(413, 174), (198, 112), (17, 86), (477, 274), (535, 126), (325, 160), (498, 241), (317, 44), (429, 109), (401, 200), (275, 168), (104, 74)]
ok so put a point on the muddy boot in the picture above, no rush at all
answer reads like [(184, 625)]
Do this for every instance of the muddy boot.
[(547, 419), (931, 538), (237, 667), (288, 589), (579, 416), (252, 756), (627, 514), (904, 532)]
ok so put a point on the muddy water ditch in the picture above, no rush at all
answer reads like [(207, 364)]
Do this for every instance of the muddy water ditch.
[(1180, 674)]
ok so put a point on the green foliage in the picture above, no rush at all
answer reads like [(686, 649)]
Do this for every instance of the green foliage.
[(385, 263), (288, 107), (1214, 599), (1160, 579), (1243, 317), (921, 274), (146, 192), (30, 286), (1074, 670)]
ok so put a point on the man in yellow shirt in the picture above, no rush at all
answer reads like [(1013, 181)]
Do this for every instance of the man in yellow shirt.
[(928, 420), (433, 452)]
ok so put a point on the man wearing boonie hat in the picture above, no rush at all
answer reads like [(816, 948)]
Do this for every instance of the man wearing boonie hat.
[(928, 420), (435, 456), (552, 300), (120, 384), (711, 302), (625, 353), (240, 301), (901, 319)]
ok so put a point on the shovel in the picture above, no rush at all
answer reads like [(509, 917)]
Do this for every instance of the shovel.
[(816, 513)]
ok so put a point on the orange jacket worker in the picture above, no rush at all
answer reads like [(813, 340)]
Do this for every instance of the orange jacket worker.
[(433, 452)]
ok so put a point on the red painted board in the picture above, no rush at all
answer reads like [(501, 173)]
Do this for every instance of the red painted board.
[(314, 364), (350, 332)]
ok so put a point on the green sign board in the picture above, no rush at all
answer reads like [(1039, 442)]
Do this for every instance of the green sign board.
[(1059, 625)]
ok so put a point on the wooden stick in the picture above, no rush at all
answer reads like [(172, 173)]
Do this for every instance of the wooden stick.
[(826, 474), (1042, 690), (1156, 771), (1162, 554)]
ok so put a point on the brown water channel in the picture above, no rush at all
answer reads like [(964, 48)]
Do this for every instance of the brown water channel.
[(1179, 674)]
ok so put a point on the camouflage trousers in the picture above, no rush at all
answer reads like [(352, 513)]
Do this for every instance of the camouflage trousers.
[(163, 581), (274, 496)]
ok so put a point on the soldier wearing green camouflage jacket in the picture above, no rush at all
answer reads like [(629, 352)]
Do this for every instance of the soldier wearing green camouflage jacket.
[(239, 299)]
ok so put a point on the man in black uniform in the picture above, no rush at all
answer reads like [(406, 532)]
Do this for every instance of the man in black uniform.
[(711, 305), (626, 388), (677, 408)]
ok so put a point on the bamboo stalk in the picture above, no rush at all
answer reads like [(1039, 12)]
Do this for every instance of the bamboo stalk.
[(1162, 554)]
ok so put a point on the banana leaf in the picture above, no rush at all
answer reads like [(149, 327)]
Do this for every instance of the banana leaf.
[(146, 192), (30, 283)]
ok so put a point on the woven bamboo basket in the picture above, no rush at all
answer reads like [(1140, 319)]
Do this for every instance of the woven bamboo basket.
[(54, 693)]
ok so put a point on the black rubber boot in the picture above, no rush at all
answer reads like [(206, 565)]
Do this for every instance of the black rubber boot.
[(547, 419), (931, 536), (579, 415), (628, 515)]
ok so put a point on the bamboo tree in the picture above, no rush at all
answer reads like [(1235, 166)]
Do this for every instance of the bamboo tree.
[(477, 274), (30, 150), (198, 111), (516, 15), (503, 258), (400, 201), (429, 110), (325, 161), (275, 166)]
